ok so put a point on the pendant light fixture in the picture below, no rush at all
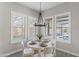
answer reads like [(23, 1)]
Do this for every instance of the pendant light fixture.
[(40, 22)]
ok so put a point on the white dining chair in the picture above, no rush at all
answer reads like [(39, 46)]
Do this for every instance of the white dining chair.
[(50, 52), (27, 52)]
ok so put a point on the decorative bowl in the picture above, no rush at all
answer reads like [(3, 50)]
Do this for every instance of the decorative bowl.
[(32, 43)]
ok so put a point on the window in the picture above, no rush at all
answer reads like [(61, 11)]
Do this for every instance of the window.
[(49, 26), (31, 28), (22, 27), (63, 27), (17, 27)]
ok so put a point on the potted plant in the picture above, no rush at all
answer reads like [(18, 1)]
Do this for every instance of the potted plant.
[(39, 35)]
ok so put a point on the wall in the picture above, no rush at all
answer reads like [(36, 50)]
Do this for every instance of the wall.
[(5, 9), (72, 7)]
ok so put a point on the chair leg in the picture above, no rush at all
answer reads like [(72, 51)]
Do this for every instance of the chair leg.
[(54, 52), (22, 54)]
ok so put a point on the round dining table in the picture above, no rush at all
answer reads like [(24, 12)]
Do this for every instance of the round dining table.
[(37, 47)]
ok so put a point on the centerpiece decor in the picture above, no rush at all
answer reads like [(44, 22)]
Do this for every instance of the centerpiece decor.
[(39, 35)]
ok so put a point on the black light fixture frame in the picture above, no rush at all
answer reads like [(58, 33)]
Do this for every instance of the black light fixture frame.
[(39, 24)]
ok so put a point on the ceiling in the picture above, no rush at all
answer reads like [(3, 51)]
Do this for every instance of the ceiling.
[(36, 5)]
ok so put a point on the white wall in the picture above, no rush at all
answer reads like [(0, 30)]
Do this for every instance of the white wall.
[(72, 7), (5, 10)]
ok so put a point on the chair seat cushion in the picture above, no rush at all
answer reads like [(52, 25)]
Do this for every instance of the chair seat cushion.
[(28, 50)]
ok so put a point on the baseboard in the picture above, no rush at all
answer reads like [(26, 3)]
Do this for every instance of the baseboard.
[(68, 52), (7, 54)]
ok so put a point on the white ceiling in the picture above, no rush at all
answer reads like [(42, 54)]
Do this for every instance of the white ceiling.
[(36, 5)]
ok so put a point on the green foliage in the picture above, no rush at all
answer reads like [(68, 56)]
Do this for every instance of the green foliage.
[(39, 35)]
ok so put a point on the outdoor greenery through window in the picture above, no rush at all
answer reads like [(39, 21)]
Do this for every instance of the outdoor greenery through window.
[(22, 27), (17, 27)]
